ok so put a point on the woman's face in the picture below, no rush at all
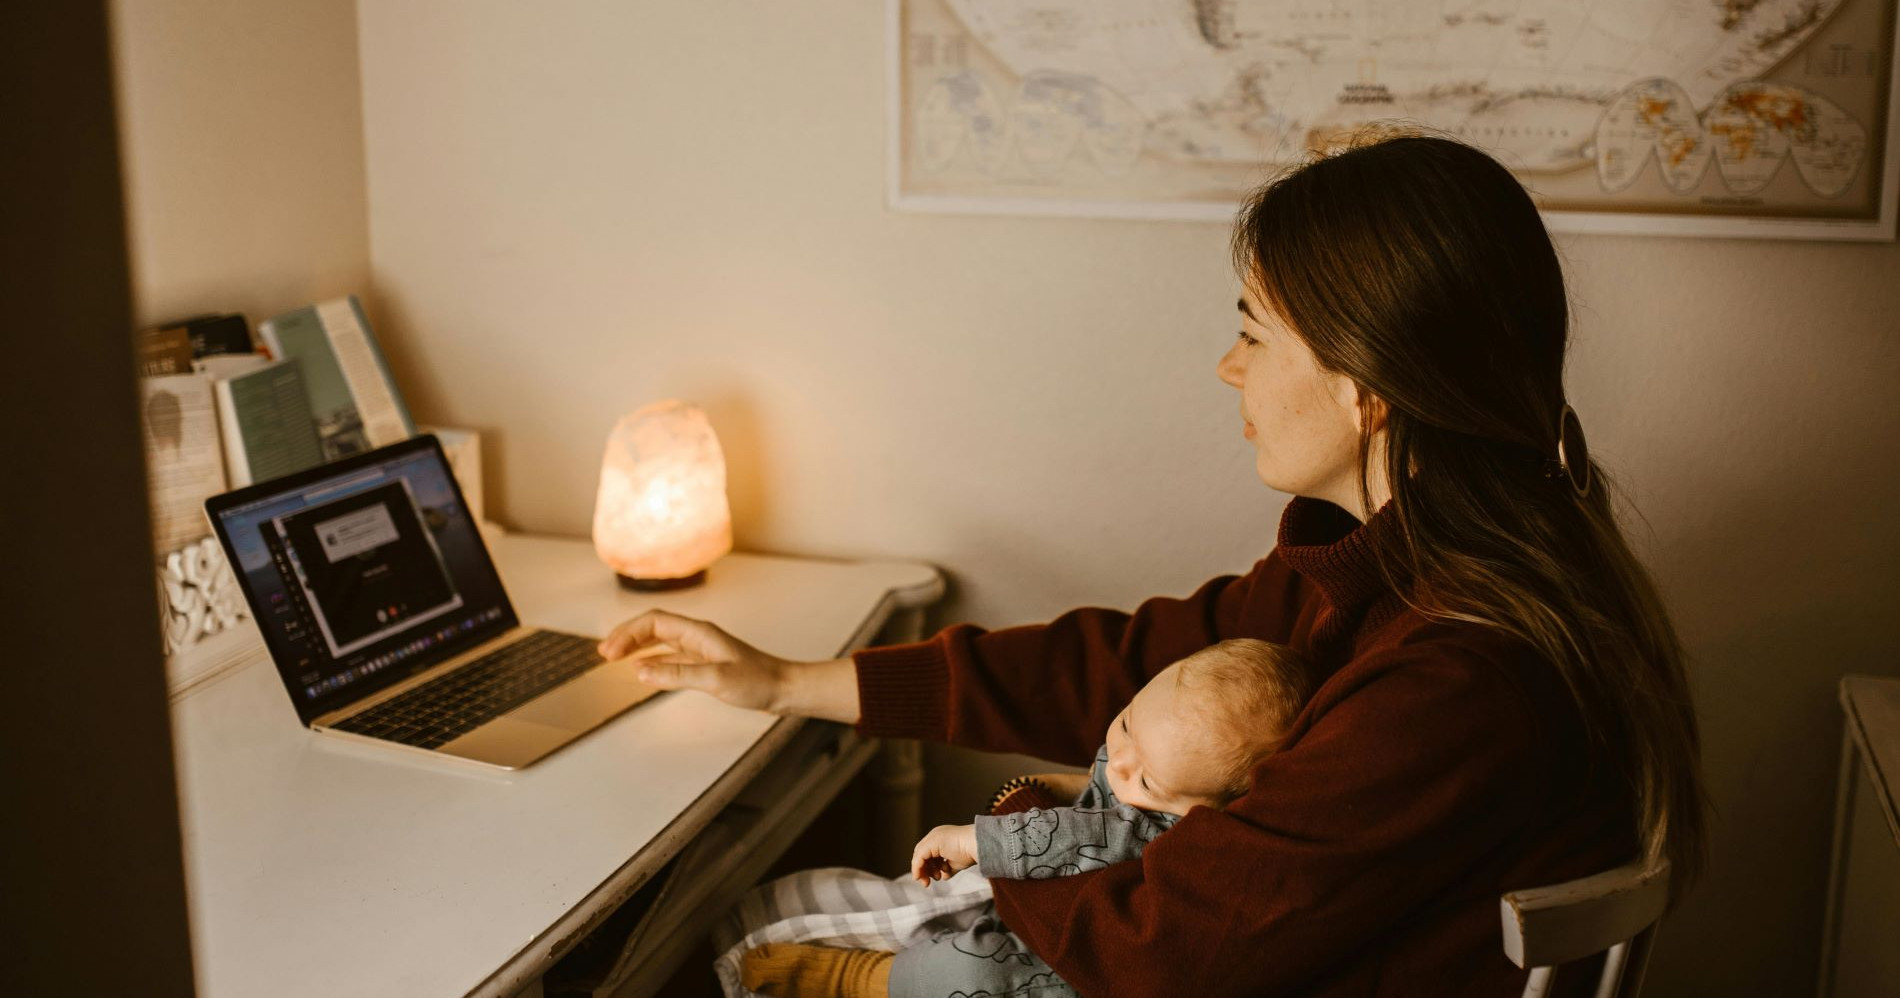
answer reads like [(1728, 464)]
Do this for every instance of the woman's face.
[(1303, 421)]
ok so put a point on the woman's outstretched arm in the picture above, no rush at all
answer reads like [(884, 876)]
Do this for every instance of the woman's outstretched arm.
[(1048, 690)]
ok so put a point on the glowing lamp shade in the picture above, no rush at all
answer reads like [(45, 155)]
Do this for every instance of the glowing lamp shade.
[(661, 516)]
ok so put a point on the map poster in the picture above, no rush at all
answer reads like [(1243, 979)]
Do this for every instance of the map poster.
[(1772, 118)]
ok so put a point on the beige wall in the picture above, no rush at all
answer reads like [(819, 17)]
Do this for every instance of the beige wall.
[(241, 125), (578, 208)]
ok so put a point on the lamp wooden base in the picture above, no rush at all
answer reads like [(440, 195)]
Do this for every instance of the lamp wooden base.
[(661, 585)]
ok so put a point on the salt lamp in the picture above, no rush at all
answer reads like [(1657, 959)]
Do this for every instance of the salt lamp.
[(661, 515)]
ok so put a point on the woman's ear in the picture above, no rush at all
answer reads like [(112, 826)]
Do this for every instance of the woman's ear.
[(1371, 410)]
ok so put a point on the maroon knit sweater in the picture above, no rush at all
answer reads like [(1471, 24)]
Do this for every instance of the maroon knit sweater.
[(1437, 766)]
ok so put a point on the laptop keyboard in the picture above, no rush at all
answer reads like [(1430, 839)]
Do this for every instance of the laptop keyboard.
[(452, 705)]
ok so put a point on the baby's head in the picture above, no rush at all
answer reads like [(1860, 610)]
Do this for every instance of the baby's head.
[(1193, 734)]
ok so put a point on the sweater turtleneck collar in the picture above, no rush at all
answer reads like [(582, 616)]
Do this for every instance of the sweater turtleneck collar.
[(1335, 551)]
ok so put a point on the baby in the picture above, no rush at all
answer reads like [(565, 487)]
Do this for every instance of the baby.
[(1190, 737)]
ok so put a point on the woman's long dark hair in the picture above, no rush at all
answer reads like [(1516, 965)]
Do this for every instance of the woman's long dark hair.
[(1419, 268)]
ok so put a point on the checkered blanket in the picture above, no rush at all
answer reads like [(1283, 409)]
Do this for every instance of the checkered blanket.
[(848, 908)]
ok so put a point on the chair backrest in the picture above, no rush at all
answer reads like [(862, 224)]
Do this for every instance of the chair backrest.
[(1613, 913)]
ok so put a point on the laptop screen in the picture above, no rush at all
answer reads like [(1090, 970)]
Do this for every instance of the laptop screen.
[(362, 572)]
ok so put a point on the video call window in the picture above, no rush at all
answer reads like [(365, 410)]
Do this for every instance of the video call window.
[(368, 565)]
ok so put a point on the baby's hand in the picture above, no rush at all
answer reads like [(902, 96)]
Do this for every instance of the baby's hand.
[(944, 851)]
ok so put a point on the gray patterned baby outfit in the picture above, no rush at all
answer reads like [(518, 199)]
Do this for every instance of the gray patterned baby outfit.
[(987, 960)]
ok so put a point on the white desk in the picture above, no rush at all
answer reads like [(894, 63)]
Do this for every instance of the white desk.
[(319, 867)]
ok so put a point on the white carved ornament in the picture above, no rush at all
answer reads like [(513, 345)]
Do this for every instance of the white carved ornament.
[(199, 594)]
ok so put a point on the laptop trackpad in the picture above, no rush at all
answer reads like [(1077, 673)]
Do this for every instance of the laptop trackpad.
[(587, 699), (508, 742), (555, 718)]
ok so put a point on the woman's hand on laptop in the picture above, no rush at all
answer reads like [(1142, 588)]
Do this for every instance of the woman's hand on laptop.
[(704, 657)]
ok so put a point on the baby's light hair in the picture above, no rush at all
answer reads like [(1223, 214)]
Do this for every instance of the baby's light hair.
[(1247, 691)]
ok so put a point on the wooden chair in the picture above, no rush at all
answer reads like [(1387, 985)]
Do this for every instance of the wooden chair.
[(1613, 913)]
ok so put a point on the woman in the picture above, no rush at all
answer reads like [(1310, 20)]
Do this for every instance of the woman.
[(1500, 696)]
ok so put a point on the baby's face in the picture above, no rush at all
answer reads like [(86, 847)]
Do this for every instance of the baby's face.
[(1157, 756)]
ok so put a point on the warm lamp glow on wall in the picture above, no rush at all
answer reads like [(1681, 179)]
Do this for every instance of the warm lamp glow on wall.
[(661, 516)]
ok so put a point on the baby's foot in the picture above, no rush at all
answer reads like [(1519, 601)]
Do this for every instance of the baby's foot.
[(796, 970)]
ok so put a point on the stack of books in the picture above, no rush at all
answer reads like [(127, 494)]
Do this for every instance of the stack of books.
[(311, 386), (224, 408)]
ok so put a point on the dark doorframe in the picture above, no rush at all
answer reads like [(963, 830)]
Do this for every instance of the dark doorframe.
[(93, 885)]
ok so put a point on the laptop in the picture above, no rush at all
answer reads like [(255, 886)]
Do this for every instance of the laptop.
[(387, 621)]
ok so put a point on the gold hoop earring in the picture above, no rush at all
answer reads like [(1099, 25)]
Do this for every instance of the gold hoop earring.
[(1573, 453)]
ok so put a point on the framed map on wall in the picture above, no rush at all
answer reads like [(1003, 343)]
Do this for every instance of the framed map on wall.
[(1771, 118)]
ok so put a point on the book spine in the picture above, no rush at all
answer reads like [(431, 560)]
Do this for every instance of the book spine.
[(237, 465), (382, 367)]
